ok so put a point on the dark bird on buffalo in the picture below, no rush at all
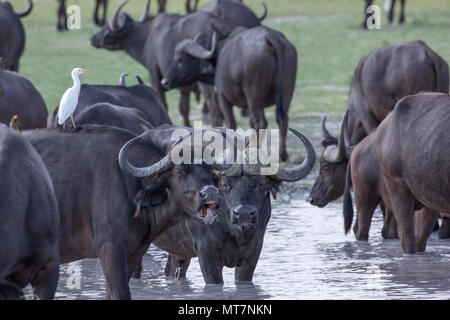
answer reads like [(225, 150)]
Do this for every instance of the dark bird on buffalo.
[(15, 124)]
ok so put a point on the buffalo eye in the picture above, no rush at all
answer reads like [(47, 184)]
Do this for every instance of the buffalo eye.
[(180, 173), (226, 187)]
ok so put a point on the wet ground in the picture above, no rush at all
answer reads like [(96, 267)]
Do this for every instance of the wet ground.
[(305, 256)]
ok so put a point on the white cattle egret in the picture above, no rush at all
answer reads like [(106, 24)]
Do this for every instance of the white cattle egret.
[(69, 99)]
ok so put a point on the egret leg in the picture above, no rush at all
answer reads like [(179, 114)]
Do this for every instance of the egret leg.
[(64, 125), (71, 118)]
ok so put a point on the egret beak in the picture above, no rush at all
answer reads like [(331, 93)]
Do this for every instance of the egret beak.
[(84, 70)]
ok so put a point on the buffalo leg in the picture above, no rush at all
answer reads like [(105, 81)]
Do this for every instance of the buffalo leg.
[(391, 12), (115, 270), (227, 110), (212, 104), (10, 291), (244, 272), (389, 230), (210, 266), (403, 206), (425, 220), (137, 272), (176, 267), (156, 84), (283, 121), (45, 283), (97, 7), (402, 12), (62, 16), (444, 230), (366, 15), (184, 106), (366, 205), (162, 6)]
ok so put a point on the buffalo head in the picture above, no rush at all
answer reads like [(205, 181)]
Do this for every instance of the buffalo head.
[(246, 192), (189, 187), (192, 62), (330, 183), (119, 28)]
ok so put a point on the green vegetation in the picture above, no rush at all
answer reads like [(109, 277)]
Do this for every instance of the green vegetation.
[(326, 33)]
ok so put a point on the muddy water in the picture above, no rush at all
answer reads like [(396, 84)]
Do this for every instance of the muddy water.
[(305, 256)]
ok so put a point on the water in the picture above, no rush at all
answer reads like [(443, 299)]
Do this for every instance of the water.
[(305, 256)]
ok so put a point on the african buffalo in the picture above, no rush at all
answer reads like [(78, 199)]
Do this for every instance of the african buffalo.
[(365, 176), (110, 115), (247, 56), (29, 228), (19, 97), (381, 79), (412, 146), (151, 41), (236, 238), (140, 97), (62, 14), (109, 208), (12, 34)]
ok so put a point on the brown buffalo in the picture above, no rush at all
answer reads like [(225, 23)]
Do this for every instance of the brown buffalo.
[(412, 146)]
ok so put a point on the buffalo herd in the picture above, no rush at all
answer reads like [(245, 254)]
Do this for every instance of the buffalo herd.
[(110, 187)]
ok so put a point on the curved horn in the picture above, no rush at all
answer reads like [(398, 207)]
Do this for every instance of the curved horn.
[(122, 81), (160, 166), (333, 153), (139, 79), (264, 15), (325, 132), (302, 170), (27, 11), (146, 13), (114, 22), (196, 50)]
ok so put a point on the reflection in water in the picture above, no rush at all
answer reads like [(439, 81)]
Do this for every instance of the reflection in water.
[(305, 256)]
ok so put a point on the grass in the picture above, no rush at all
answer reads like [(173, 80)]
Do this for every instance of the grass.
[(326, 34)]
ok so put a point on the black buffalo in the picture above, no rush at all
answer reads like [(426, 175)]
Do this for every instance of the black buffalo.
[(411, 146), (381, 79), (140, 97), (12, 34), (111, 209), (151, 41), (19, 97), (236, 238), (247, 57), (29, 228), (110, 115)]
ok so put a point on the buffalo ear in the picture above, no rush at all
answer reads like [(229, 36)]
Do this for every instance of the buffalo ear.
[(153, 195), (274, 186), (206, 68)]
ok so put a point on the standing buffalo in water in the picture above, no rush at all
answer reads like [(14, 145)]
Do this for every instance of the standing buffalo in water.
[(12, 34), (152, 40), (364, 174), (62, 14), (235, 238), (381, 79), (140, 97), (117, 192), (29, 228), (256, 68), (19, 97), (412, 147)]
